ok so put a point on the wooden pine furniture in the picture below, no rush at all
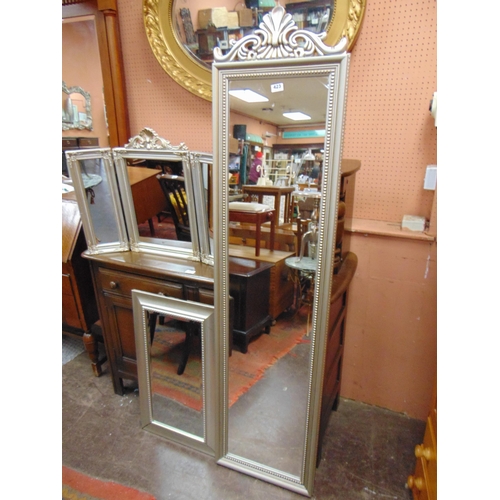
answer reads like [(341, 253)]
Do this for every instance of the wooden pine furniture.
[(79, 306), (281, 288), (423, 482)]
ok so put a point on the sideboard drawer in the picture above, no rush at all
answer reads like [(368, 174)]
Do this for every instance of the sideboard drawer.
[(88, 142), (69, 143), (123, 284)]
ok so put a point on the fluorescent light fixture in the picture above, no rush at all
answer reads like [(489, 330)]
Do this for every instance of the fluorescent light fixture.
[(296, 115), (248, 95)]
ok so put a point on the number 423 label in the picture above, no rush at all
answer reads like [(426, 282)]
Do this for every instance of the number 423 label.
[(277, 87)]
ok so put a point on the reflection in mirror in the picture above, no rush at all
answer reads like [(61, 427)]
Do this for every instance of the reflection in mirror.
[(200, 30), (94, 179), (202, 165), (173, 338), (268, 426), (76, 108), (157, 191), (272, 429)]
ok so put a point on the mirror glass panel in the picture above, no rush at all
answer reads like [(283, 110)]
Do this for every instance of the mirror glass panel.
[(267, 425), (157, 192), (200, 28), (175, 384), (272, 427), (94, 180)]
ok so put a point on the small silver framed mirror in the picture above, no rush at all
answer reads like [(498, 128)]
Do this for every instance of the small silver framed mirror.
[(174, 354), (96, 190)]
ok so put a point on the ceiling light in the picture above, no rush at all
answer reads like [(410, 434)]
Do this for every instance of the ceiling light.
[(248, 95), (296, 115)]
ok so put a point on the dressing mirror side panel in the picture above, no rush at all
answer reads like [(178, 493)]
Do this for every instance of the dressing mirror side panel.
[(201, 171), (96, 190)]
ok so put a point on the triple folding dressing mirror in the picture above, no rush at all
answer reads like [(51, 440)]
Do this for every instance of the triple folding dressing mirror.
[(123, 192)]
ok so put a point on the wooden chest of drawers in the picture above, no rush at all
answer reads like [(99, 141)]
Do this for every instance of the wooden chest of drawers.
[(423, 482), (335, 344)]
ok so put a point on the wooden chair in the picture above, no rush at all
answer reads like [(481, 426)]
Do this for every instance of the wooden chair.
[(174, 190), (190, 328)]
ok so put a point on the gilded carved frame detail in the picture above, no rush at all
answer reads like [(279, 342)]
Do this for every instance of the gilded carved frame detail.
[(196, 78)]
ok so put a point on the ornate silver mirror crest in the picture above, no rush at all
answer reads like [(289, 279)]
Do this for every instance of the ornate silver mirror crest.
[(149, 139), (278, 37)]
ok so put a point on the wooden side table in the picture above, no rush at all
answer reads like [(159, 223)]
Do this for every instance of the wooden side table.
[(258, 218), (277, 192)]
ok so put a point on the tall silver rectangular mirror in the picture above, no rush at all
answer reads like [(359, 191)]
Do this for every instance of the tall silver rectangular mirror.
[(95, 185), (155, 183), (275, 438), (177, 398)]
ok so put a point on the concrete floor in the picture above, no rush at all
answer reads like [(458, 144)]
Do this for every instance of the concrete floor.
[(367, 451)]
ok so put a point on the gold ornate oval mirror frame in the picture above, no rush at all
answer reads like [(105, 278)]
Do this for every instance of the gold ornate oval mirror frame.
[(197, 78)]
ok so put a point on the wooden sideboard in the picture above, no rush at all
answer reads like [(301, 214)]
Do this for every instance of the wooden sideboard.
[(79, 306), (115, 275), (335, 344)]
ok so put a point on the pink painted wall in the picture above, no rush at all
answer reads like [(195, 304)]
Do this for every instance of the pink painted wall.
[(390, 354), (81, 67), (390, 347)]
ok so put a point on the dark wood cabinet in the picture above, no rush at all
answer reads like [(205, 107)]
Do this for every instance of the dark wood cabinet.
[(249, 283), (115, 275)]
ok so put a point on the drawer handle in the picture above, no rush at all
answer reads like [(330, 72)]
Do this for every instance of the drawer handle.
[(422, 452), (417, 482), (113, 285)]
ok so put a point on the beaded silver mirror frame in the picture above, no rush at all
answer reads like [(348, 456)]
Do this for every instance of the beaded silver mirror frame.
[(185, 310), (98, 200), (280, 49)]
